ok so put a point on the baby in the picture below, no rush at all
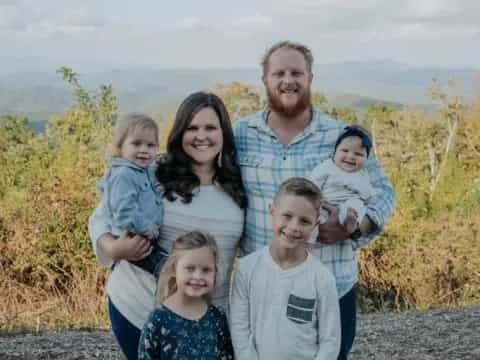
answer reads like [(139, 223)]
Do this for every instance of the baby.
[(343, 180)]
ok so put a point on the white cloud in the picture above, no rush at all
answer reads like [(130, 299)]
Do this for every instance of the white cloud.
[(224, 28), (256, 20), (421, 31), (337, 30), (43, 22), (317, 7), (191, 24), (375, 19), (12, 17), (427, 9), (48, 28)]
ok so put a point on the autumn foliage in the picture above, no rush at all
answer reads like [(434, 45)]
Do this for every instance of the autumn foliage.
[(429, 255)]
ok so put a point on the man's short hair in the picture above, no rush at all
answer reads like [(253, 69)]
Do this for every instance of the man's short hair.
[(298, 186), (302, 49)]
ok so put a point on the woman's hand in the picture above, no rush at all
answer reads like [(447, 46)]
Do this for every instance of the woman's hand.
[(130, 247)]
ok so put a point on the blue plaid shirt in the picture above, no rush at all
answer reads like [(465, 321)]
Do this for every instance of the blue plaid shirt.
[(265, 163)]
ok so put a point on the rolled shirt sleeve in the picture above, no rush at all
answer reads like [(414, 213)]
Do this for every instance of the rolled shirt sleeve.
[(381, 204)]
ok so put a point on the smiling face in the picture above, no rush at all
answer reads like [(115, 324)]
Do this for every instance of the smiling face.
[(350, 155), (195, 272), (287, 80), (293, 220), (140, 147), (203, 138)]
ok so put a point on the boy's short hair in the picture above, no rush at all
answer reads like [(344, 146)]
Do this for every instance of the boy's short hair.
[(298, 186), (358, 131)]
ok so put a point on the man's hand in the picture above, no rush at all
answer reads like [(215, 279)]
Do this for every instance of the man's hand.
[(332, 231), (130, 247)]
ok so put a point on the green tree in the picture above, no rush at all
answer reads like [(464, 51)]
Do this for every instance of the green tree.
[(320, 101), (240, 99), (452, 111), (344, 113), (101, 103), (13, 131)]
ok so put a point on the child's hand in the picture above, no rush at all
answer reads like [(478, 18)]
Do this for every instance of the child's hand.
[(131, 247), (153, 233)]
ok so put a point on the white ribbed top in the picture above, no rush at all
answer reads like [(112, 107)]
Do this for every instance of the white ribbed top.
[(211, 210)]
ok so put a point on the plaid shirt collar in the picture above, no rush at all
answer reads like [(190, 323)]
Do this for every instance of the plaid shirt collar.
[(260, 122)]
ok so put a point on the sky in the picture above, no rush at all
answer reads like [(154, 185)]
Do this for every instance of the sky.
[(111, 34)]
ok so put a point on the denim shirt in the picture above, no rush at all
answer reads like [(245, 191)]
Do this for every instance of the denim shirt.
[(131, 199)]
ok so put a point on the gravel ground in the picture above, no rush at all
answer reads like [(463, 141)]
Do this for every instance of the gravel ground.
[(439, 334)]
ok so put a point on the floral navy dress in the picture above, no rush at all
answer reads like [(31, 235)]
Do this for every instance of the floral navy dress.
[(167, 335)]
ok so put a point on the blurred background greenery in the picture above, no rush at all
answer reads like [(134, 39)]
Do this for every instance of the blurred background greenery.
[(429, 255)]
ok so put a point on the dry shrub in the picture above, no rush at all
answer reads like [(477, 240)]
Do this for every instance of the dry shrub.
[(429, 255), (80, 305), (435, 262), (48, 276)]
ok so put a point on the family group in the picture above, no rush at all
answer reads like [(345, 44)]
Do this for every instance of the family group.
[(239, 241)]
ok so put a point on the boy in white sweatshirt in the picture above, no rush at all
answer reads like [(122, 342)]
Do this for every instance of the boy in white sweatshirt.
[(284, 302)]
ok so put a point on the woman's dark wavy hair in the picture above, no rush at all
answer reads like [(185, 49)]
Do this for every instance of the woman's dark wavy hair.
[(174, 171)]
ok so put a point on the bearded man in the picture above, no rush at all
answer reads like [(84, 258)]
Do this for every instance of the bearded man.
[(288, 139)]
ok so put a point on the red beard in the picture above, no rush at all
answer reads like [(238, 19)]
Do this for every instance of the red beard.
[(277, 106)]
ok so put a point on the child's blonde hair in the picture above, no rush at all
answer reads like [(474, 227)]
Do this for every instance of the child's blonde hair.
[(298, 186), (167, 283), (130, 124)]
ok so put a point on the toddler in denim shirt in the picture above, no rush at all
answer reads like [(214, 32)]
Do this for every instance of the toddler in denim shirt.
[(132, 201)]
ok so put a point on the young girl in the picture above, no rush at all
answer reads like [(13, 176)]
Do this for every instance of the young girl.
[(185, 325), (130, 197)]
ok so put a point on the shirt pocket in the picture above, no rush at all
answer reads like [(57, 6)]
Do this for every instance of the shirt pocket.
[(250, 165), (149, 201), (312, 160), (300, 310)]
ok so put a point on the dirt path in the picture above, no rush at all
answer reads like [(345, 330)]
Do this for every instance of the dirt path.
[(449, 334)]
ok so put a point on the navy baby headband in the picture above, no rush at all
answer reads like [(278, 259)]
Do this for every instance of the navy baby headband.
[(355, 131)]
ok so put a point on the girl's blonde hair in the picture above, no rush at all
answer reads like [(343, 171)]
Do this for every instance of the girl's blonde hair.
[(167, 283), (130, 124)]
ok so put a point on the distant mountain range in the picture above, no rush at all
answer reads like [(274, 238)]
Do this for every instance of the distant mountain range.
[(356, 84)]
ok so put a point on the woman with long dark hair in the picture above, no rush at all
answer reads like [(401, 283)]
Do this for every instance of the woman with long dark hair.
[(200, 181)]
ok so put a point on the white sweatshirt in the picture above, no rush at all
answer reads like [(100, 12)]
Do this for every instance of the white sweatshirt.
[(284, 314)]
